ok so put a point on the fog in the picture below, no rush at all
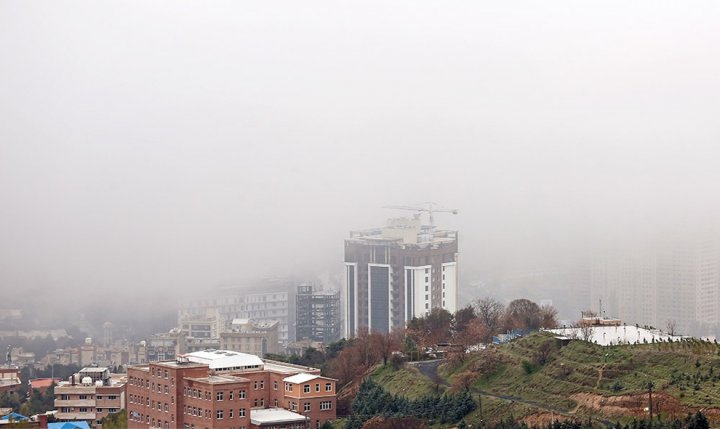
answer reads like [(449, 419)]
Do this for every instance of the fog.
[(149, 147)]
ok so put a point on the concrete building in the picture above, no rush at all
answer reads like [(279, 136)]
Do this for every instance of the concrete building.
[(398, 272), (90, 395), (224, 389), (674, 280), (9, 379), (236, 303), (317, 314), (246, 336)]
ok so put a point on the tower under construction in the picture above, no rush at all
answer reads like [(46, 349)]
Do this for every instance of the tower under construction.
[(317, 315)]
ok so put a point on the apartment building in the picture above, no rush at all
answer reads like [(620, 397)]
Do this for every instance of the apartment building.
[(90, 395), (220, 308), (9, 379), (246, 336), (397, 272), (224, 389)]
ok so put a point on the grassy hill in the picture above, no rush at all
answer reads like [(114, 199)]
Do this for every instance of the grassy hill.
[(538, 379)]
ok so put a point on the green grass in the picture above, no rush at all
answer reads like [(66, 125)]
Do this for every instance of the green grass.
[(406, 381), (576, 367)]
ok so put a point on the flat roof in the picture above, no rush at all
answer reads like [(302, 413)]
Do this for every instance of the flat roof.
[(263, 416), (224, 359), (219, 379), (303, 377)]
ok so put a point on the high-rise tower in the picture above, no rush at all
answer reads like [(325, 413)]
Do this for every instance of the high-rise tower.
[(397, 272)]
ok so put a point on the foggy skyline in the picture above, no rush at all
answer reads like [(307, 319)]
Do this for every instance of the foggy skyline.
[(150, 146)]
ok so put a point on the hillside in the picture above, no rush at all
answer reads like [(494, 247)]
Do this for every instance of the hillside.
[(538, 377), (537, 380)]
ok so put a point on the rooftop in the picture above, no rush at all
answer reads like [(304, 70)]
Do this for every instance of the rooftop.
[(94, 369), (612, 335), (264, 416), (43, 383), (219, 379), (303, 377), (224, 359), (69, 425)]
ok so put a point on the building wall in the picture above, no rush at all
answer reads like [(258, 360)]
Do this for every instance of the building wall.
[(364, 264), (189, 390)]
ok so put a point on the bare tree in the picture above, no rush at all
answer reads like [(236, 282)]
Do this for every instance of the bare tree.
[(671, 326), (522, 314), (586, 331), (490, 313), (548, 317)]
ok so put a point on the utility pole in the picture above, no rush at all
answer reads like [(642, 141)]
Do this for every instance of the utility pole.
[(482, 421), (650, 386)]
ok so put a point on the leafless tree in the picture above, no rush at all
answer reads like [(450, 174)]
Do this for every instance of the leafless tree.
[(548, 317), (490, 313), (671, 326), (586, 331)]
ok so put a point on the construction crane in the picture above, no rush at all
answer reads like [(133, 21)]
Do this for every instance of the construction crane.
[(426, 207)]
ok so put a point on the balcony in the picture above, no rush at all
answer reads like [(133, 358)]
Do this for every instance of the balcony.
[(89, 403)]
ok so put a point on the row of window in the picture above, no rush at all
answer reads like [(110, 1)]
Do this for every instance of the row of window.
[(219, 396), (152, 422), (307, 388), (324, 406), (219, 414)]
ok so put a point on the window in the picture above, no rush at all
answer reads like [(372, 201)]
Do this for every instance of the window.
[(328, 387), (219, 414), (219, 396), (166, 389), (306, 407), (276, 403), (275, 385), (230, 413), (306, 388), (241, 394), (288, 387), (166, 374), (326, 405), (255, 385), (166, 407), (230, 395), (241, 412), (262, 384), (64, 397)]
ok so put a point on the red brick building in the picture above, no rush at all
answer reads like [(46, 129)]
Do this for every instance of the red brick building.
[(223, 389)]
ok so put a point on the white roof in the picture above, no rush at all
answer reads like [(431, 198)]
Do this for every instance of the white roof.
[(613, 335), (263, 416), (303, 377), (224, 359)]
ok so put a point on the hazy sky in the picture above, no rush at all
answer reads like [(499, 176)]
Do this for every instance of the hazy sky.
[(152, 145)]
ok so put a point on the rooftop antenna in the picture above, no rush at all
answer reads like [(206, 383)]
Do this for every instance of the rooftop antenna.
[(426, 207)]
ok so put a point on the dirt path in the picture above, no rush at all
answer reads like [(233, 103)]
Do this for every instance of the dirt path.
[(429, 369), (600, 375)]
